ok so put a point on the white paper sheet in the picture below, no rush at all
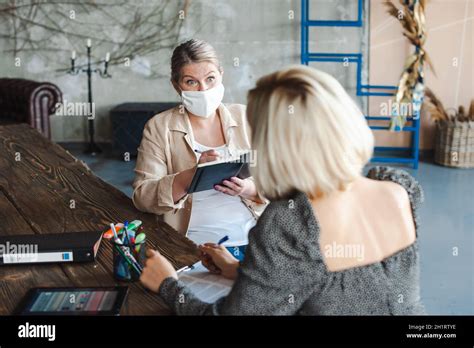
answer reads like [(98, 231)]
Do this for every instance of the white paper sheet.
[(206, 286)]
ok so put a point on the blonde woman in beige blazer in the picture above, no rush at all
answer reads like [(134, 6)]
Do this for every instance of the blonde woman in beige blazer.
[(203, 129)]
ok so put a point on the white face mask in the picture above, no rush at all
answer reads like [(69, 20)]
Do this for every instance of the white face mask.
[(203, 103)]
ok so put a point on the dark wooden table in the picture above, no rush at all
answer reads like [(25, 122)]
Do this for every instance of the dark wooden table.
[(38, 182)]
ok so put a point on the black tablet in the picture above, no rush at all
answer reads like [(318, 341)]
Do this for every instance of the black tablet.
[(73, 301), (211, 173)]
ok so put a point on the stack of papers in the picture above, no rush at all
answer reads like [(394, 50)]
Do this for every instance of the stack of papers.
[(206, 286)]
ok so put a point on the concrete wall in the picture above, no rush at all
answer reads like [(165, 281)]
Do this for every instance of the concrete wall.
[(262, 34)]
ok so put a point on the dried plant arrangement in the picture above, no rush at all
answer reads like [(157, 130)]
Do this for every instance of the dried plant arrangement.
[(411, 16), (439, 113)]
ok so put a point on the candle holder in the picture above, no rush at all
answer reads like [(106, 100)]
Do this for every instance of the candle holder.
[(92, 147)]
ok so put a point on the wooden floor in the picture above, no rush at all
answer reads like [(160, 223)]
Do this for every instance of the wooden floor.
[(44, 189)]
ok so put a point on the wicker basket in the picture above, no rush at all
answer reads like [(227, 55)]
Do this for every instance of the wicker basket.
[(454, 144)]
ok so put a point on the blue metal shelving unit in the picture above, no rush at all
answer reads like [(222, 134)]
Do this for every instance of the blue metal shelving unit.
[(362, 89)]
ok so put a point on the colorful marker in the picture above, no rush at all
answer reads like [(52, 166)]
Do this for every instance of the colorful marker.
[(135, 225), (109, 234), (116, 238)]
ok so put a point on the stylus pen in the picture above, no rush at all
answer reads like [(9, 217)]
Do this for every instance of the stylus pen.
[(185, 269)]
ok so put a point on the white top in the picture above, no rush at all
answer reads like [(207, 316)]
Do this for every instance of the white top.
[(215, 214)]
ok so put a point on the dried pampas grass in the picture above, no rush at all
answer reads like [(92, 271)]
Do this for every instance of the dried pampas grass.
[(438, 113), (434, 106)]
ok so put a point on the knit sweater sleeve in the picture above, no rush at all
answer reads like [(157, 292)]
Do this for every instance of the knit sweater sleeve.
[(279, 272)]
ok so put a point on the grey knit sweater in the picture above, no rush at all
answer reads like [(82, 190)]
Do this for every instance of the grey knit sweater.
[(283, 272)]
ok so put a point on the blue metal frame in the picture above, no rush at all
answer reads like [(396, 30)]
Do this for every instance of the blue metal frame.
[(362, 89)]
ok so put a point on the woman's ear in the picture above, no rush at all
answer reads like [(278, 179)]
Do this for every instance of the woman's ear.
[(176, 87)]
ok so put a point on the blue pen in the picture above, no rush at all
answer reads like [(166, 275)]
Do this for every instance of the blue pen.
[(223, 240), (188, 268), (125, 226)]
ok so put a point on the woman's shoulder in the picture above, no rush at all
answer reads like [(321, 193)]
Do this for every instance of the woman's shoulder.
[(162, 123), (405, 183), (238, 112), (238, 109), (291, 215), (162, 118)]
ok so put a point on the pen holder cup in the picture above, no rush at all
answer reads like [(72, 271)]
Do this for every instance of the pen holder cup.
[(125, 268)]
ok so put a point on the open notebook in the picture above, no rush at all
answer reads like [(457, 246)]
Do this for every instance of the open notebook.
[(206, 286)]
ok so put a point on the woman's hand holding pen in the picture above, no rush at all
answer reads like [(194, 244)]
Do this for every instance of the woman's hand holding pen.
[(208, 156), (217, 259)]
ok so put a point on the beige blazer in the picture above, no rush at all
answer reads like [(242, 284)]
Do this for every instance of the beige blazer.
[(166, 149)]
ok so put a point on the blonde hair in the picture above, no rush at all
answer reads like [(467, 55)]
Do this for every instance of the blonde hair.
[(192, 51), (309, 134)]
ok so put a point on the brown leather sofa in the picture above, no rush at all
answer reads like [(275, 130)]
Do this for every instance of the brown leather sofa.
[(26, 101)]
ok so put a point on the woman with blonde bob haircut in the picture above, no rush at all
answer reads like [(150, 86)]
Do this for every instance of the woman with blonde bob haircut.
[(332, 241), (310, 134)]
